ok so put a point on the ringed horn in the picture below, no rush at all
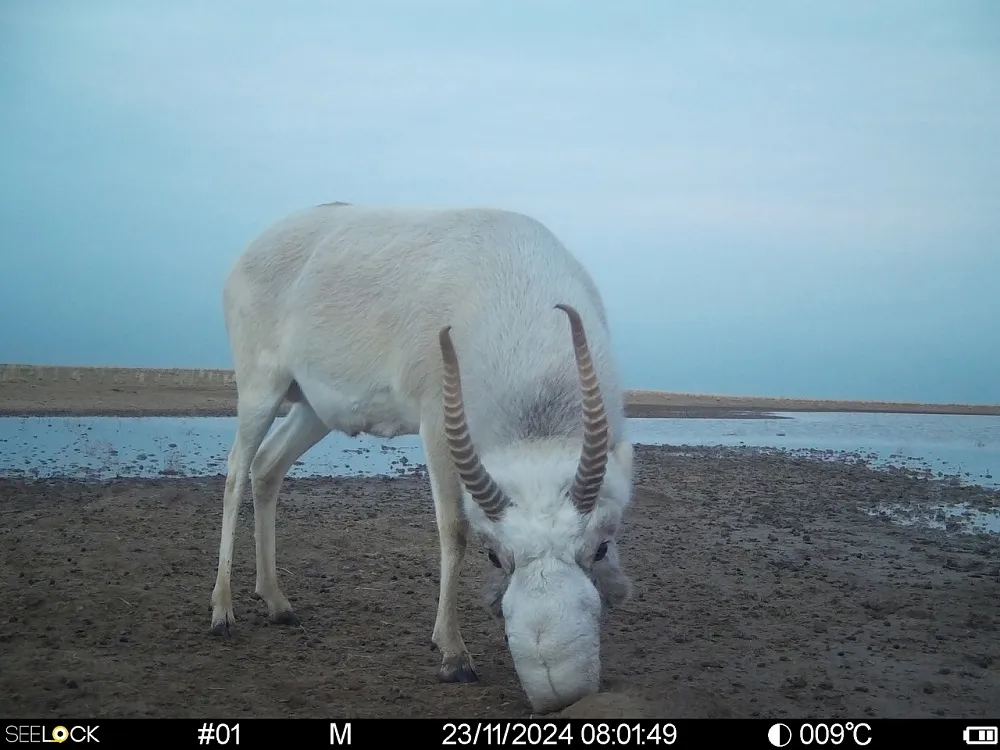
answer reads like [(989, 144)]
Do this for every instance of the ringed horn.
[(593, 458)]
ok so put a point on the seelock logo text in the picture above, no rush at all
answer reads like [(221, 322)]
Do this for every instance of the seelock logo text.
[(77, 733)]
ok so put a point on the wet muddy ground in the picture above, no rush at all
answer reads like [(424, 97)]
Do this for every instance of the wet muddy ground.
[(763, 587)]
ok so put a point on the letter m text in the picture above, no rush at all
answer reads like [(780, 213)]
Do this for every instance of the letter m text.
[(340, 735)]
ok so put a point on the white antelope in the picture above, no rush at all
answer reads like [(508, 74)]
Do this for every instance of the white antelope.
[(360, 317)]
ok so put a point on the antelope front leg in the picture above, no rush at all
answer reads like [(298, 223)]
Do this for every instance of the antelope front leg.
[(456, 662)]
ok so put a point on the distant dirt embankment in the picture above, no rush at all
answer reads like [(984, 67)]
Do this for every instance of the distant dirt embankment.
[(42, 390), (652, 399), (172, 377)]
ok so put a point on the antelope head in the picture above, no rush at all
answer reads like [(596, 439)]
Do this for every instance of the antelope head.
[(548, 512)]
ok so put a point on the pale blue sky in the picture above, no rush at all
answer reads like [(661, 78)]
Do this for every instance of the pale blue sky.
[(776, 198)]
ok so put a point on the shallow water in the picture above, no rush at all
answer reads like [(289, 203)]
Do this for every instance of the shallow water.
[(967, 449), (106, 447)]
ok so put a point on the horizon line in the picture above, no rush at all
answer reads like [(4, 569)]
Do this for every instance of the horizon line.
[(634, 395)]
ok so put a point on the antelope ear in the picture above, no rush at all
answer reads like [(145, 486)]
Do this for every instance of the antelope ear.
[(623, 454)]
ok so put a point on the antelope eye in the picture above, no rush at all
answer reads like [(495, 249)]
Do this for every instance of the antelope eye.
[(601, 552), (493, 558)]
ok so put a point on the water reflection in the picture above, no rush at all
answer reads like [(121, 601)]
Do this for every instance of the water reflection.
[(106, 447)]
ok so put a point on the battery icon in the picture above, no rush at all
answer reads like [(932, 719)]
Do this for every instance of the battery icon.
[(980, 735)]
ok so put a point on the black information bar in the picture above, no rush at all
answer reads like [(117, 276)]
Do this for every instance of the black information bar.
[(546, 733)]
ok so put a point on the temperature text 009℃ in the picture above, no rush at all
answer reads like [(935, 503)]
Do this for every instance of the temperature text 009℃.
[(859, 734)]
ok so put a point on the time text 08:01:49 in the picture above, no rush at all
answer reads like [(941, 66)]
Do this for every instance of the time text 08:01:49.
[(541, 734)]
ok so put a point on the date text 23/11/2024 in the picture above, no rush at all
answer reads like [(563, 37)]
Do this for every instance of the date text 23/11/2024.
[(600, 734)]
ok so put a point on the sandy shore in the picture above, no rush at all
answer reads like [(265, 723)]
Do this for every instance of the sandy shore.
[(27, 390), (763, 588)]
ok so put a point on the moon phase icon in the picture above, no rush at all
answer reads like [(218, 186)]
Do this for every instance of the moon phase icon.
[(779, 735)]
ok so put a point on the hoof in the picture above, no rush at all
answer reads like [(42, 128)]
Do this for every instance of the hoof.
[(287, 617), (459, 670), (464, 675), (223, 628)]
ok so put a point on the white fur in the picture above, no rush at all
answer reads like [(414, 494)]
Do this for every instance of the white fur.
[(347, 303)]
